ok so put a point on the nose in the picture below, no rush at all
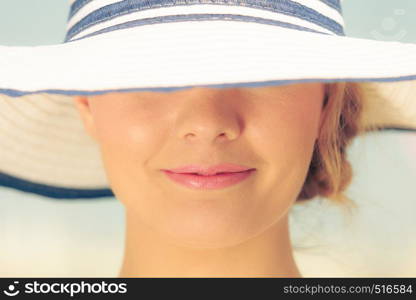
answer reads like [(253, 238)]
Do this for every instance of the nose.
[(209, 116)]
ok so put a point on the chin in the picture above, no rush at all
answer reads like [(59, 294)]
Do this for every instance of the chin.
[(203, 232)]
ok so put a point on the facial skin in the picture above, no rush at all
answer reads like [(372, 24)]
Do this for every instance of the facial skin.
[(241, 230)]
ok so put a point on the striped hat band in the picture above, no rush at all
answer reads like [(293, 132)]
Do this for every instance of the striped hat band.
[(88, 18)]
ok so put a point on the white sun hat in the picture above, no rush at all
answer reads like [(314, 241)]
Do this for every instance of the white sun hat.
[(165, 45)]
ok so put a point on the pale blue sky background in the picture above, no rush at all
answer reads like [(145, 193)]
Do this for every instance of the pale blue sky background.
[(85, 238)]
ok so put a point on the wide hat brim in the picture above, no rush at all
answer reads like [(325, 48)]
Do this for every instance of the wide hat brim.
[(45, 149)]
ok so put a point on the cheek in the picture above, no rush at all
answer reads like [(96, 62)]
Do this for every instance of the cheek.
[(128, 138), (289, 130), (303, 125), (125, 133), (285, 138)]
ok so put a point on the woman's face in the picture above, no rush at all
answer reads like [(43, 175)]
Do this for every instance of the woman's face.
[(272, 129)]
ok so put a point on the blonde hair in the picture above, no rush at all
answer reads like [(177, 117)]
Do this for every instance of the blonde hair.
[(330, 172)]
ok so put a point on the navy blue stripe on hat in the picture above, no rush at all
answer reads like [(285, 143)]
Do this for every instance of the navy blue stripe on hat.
[(76, 6), (52, 191), (335, 4), (196, 17), (286, 7)]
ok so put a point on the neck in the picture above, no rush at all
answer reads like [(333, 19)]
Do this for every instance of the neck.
[(147, 253)]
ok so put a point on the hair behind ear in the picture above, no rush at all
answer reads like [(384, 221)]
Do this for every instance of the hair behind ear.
[(330, 172)]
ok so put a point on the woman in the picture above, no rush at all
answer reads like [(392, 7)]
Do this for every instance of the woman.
[(235, 224), (242, 96)]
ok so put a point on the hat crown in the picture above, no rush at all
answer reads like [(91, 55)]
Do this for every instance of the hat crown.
[(91, 17)]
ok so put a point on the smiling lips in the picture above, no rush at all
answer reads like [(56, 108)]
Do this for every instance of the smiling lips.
[(214, 177)]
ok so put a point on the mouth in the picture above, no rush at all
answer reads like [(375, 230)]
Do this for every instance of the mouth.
[(206, 175), (223, 168), (218, 180)]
